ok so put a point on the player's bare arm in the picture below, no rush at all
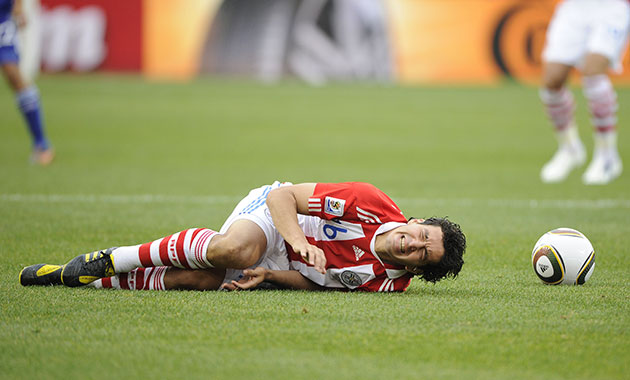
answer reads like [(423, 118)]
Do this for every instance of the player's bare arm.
[(286, 278), (284, 204)]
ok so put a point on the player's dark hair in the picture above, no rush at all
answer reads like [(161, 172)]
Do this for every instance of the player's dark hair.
[(454, 248)]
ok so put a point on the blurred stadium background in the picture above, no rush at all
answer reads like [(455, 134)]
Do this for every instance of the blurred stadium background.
[(401, 41)]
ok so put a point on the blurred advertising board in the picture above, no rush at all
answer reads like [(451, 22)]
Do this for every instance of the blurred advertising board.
[(85, 35), (406, 41)]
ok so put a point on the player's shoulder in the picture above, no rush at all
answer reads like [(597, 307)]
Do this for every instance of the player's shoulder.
[(350, 188)]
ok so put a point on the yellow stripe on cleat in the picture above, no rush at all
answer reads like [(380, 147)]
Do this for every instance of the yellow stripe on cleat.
[(87, 257), (47, 269), (87, 279), (62, 270)]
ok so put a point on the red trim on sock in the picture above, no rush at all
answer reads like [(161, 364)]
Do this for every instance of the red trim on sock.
[(140, 278), (179, 248), (106, 282), (164, 251), (155, 277), (144, 254), (194, 234), (200, 254), (152, 278), (123, 278), (606, 129)]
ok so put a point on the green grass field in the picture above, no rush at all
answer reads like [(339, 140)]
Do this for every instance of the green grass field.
[(140, 160)]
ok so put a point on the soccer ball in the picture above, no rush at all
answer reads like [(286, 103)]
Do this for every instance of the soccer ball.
[(563, 256)]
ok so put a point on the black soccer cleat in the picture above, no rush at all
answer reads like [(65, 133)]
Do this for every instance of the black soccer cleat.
[(89, 267), (41, 274)]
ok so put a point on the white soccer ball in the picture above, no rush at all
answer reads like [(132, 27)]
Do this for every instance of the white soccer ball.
[(563, 256)]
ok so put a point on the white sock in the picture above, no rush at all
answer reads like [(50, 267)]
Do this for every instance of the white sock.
[(186, 249)]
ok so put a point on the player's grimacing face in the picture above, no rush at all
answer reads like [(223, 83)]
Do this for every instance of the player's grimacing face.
[(416, 244)]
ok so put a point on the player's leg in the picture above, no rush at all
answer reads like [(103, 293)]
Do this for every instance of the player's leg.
[(164, 278), (602, 103), (27, 96), (606, 45), (560, 108), (185, 249), (564, 46), (240, 244), (240, 247)]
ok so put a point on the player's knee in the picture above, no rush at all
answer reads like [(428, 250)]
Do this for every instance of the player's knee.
[(595, 64), (555, 76), (226, 252), (553, 83)]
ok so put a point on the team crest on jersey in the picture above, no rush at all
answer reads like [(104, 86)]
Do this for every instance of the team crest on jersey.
[(334, 206), (350, 279)]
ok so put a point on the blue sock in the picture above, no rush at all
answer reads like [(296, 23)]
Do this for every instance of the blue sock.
[(28, 101)]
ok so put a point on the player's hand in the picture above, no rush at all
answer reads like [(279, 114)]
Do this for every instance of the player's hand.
[(251, 279), (312, 255)]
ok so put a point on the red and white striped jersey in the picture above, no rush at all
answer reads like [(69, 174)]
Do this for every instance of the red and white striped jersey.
[(344, 221)]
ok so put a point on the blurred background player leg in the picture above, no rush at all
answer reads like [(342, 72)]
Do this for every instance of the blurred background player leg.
[(564, 44), (560, 107), (30, 41), (589, 35), (602, 103), (607, 41), (27, 96)]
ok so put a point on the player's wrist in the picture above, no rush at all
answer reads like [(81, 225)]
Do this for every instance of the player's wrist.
[(267, 275)]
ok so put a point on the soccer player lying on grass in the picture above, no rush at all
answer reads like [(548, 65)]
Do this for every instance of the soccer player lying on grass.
[(306, 236)]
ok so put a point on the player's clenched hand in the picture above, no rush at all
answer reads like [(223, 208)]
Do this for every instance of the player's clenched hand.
[(312, 255), (251, 279)]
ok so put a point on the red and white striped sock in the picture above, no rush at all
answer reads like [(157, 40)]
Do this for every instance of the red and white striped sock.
[(559, 106), (602, 104), (185, 249), (137, 279)]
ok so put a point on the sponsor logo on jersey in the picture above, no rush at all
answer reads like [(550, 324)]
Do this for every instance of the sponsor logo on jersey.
[(358, 252), (350, 279), (334, 206)]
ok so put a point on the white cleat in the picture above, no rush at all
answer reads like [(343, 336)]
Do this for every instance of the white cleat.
[(563, 161), (605, 167)]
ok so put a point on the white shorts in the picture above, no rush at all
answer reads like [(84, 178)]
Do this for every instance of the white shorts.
[(254, 207), (580, 27)]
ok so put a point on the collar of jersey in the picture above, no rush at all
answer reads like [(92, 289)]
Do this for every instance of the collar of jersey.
[(393, 271)]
